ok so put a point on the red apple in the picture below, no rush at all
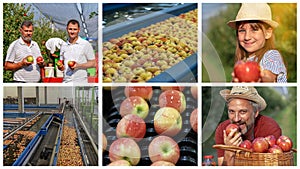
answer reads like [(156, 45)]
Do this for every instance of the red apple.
[(30, 58), (246, 144), (231, 127), (271, 140), (194, 120), (125, 149), (194, 91), (275, 149), (167, 121), (71, 63), (131, 126), (145, 92), (119, 163), (260, 145), (285, 143), (60, 63), (179, 88), (172, 98), (247, 71), (104, 142), (162, 163), (164, 148), (39, 59), (134, 105)]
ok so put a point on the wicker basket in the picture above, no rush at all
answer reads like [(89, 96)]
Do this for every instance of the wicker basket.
[(244, 157)]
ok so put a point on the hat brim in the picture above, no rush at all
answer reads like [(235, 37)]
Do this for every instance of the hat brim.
[(232, 23), (259, 100)]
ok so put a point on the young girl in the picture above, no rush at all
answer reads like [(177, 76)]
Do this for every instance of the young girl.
[(255, 41)]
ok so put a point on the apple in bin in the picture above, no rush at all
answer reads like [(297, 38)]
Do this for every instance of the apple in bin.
[(172, 98), (260, 145), (162, 163), (275, 149), (167, 121), (247, 71), (231, 127), (29, 58), (104, 142), (285, 143), (39, 59), (194, 120), (71, 63), (134, 105), (125, 149), (119, 163), (163, 148), (145, 92), (246, 144), (131, 126), (271, 139)]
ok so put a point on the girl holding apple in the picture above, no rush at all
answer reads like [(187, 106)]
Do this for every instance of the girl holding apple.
[(255, 41)]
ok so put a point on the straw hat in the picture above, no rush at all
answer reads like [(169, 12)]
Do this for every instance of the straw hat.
[(254, 11), (243, 92)]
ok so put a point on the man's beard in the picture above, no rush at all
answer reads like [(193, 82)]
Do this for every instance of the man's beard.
[(26, 39)]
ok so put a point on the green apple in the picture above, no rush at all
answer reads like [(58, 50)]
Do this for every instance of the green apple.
[(134, 105)]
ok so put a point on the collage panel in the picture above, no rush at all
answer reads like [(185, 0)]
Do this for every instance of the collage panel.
[(150, 42), (249, 126), (42, 46), (50, 126), (249, 42), (150, 126)]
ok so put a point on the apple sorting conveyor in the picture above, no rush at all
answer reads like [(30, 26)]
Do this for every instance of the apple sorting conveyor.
[(186, 139), (184, 71)]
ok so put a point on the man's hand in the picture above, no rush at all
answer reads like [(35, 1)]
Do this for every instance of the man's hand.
[(232, 139), (25, 62)]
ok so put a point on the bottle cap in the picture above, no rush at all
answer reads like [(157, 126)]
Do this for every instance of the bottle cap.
[(208, 156)]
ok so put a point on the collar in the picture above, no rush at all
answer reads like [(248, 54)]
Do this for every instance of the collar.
[(21, 41), (77, 41)]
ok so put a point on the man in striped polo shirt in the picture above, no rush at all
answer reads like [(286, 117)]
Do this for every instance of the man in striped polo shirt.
[(26, 69)]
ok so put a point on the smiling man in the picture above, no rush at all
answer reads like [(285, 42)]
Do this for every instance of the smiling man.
[(21, 56), (77, 54), (244, 105)]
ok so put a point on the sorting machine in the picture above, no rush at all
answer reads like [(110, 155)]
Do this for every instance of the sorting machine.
[(34, 139)]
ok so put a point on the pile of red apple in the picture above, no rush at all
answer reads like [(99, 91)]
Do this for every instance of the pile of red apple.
[(140, 55), (268, 144), (131, 130)]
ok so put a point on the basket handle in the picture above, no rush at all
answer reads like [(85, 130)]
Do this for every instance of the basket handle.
[(230, 148)]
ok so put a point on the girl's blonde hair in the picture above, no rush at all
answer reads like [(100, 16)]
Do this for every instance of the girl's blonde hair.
[(241, 53)]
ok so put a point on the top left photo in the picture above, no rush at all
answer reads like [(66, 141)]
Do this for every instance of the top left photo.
[(50, 43)]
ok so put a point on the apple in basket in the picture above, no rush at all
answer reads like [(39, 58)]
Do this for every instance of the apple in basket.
[(275, 149), (246, 144), (285, 143), (232, 128), (131, 126), (271, 139), (260, 145), (172, 98), (134, 105), (247, 71), (167, 121), (145, 92), (125, 148), (163, 148)]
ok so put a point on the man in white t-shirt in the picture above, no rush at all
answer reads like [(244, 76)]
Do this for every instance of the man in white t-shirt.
[(26, 69), (78, 50)]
